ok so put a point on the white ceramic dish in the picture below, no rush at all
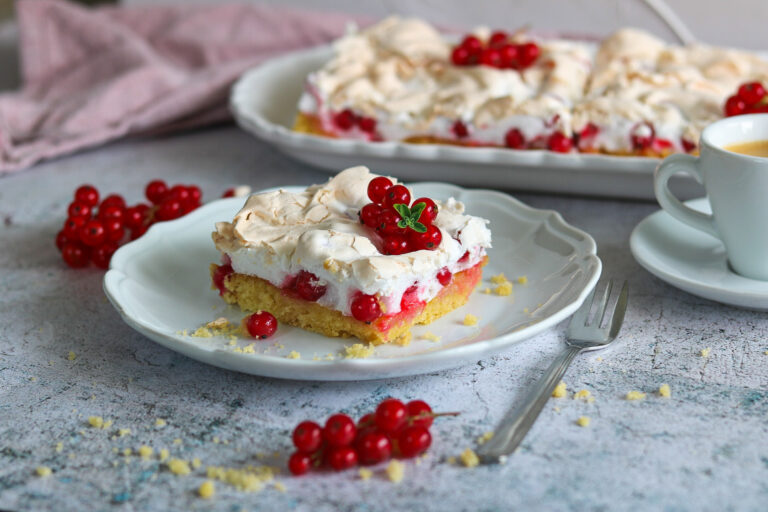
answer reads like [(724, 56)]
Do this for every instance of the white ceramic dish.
[(264, 103), (693, 261), (160, 286)]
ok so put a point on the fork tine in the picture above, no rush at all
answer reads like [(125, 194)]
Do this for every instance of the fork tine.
[(601, 309), (619, 310), (579, 318)]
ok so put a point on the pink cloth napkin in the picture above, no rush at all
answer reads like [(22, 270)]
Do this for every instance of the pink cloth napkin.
[(90, 76)]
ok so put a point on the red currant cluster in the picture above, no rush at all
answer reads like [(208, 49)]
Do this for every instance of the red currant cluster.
[(498, 52), (404, 229), (395, 429), (347, 119), (93, 231), (749, 99)]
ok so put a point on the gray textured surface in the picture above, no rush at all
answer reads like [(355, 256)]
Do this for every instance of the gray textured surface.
[(706, 448)]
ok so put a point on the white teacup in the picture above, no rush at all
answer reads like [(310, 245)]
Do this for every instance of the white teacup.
[(737, 188)]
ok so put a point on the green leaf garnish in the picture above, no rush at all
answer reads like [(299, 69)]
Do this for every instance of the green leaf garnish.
[(410, 216)]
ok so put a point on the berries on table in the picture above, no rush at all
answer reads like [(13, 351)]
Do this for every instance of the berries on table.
[(391, 415), (79, 209), (101, 255), (261, 324), (420, 413), (156, 191), (74, 254), (341, 458), (92, 233), (339, 430), (414, 440), (373, 447), (112, 200), (307, 437), (299, 463), (87, 194)]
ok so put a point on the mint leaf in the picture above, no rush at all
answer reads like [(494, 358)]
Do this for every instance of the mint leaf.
[(403, 210), (417, 209), (419, 227)]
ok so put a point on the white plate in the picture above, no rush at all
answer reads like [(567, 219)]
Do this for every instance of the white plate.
[(693, 261), (264, 103), (160, 285)]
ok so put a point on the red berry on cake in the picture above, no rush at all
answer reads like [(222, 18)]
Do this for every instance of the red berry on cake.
[(559, 142), (510, 55), (497, 38), (367, 124), (388, 222), (444, 276), (472, 43), (396, 244), (460, 130), (369, 215), (345, 119), (429, 213), (397, 194), (515, 139), (261, 324), (751, 93), (460, 56), (366, 308), (429, 240), (156, 191), (309, 286), (491, 57), (377, 188), (735, 106), (527, 54), (219, 275)]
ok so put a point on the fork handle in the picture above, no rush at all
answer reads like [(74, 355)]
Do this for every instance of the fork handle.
[(518, 421)]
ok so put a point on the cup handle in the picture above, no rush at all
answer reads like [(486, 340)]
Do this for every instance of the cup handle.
[(666, 169)]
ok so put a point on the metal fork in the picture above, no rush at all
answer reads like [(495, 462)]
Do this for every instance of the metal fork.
[(583, 335)]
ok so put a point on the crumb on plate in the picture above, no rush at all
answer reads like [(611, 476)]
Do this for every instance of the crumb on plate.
[(635, 395), (430, 336), (357, 351), (365, 474), (395, 471), (504, 289), (560, 391), (470, 319), (469, 458), (705, 352)]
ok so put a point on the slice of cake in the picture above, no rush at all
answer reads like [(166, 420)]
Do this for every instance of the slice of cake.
[(352, 257)]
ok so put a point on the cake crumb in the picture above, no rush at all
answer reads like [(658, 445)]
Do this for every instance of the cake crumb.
[(470, 319), (179, 467), (96, 421), (469, 458), (664, 391), (330, 356), (766, 353), (560, 391), (499, 279), (164, 454), (71, 356), (196, 463), (635, 395), (59, 447), (358, 351), (250, 479), (451, 460), (177, 441), (202, 332), (487, 290), (583, 421), (598, 359), (280, 487), (485, 438), (504, 289), (522, 279), (43, 471), (525, 310), (160, 422), (249, 349), (107, 424), (206, 490), (365, 474), (404, 340), (124, 432), (705, 352), (556, 409), (293, 355), (145, 452), (430, 336), (232, 341), (127, 452), (32, 379), (582, 394), (395, 471), (216, 440)]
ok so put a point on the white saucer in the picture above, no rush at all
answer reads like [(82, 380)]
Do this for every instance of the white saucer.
[(161, 287), (693, 261)]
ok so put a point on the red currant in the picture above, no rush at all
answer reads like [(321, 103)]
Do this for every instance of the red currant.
[(444, 276), (78, 209), (195, 194), (366, 308), (111, 213), (219, 276), (688, 146), (179, 192), (369, 215), (101, 255), (342, 458), (299, 463), (515, 139), (420, 413), (430, 210), (87, 194), (397, 194), (388, 220), (491, 57), (559, 142), (339, 430), (377, 188), (72, 227), (138, 232), (373, 447), (413, 441), (367, 124), (460, 130), (112, 200), (735, 106), (61, 239), (527, 54), (498, 38), (472, 43), (169, 208), (261, 324), (307, 437), (464, 257), (230, 192), (367, 420), (92, 233), (430, 240), (752, 92), (135, 215), (396, 244), (308, 286), (460, 56), (114, 230), (345, 119), (156, 191), (74, 254), (510, 56), (391, 415)]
